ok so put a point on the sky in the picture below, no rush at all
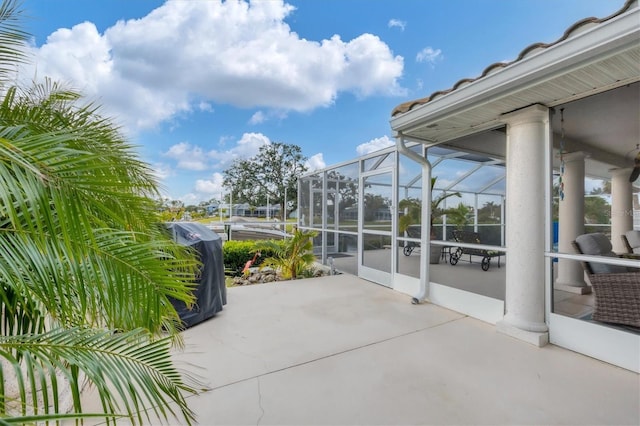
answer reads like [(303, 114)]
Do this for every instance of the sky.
[(196, 84)]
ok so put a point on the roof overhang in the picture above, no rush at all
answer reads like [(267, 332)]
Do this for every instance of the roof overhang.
[(595, 58)]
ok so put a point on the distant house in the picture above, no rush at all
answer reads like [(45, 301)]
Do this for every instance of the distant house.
[(211, 209), (272, 211)]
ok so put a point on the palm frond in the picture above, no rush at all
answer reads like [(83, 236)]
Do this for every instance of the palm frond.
[(12, 38), (292, 257), (86, 274), (130, 368), (75, 215)]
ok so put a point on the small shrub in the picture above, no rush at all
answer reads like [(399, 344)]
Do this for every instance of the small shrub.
[(237, 253)]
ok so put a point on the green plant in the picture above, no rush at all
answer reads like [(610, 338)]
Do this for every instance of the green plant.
[(85, 271), (236, 254), (436, 210), (459, 216), (293, 257), (413, 206)]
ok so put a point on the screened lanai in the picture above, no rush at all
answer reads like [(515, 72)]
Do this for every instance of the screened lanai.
[(558, 128), (368, 213)]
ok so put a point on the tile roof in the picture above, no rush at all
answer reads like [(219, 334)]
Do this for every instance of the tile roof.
[(408, 106)]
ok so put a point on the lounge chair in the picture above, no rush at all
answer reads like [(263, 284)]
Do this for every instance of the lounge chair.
[(412, 232), (472, 238), (616, 288)]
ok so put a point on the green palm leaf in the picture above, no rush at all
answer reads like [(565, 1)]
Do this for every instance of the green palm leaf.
[(291, 257), (143, 378), (86, 274), (12, 38)]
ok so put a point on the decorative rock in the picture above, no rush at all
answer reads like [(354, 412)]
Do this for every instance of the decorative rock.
[(268, 275)]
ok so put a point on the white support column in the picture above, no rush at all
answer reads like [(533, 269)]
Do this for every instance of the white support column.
[(571, 224), (527, 136), (621, 207)]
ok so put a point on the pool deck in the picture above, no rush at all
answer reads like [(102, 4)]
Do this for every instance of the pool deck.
[(339, 350)]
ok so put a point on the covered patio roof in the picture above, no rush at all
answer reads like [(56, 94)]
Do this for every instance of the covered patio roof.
[(591, 74), (469, 171)]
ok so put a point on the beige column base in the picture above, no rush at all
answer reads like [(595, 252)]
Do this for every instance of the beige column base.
[(538, 339)]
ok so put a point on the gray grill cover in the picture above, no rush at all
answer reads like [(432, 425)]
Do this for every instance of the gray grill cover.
[(210, 292)]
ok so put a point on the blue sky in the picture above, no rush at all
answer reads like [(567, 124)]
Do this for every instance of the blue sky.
[(197, 84)]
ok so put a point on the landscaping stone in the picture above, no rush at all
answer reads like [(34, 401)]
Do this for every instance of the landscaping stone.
[(269, 275)]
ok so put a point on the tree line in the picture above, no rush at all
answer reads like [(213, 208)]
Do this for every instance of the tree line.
[(268, 178)]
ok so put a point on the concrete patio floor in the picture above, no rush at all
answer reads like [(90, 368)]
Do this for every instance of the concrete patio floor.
[(343, 351)]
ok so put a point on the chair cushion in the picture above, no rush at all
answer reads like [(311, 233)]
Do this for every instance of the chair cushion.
[(633, 237), (597, 244)]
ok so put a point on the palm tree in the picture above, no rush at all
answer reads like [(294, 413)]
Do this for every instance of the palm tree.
[(293, 257), (412, 206), (459, 216), (436, 210), (86, 273)]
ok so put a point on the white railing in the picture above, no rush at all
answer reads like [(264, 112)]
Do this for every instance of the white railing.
[(270, 229)]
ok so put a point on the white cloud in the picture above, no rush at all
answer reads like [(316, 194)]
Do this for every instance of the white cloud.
[(187, 156), (315, 162), (224, 140), (161, 171), (429, 55), (187, 55), (257, 118), (195, 158), (246, 147), (374, 145), (397, 23), (210, 187), (205, 106), (190, 199), (366, 68)]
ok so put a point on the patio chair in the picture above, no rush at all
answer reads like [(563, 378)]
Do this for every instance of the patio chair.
[(616, 288), (412, 232), (631, 241), (472, 238)]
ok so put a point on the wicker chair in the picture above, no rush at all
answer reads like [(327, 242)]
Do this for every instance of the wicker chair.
[(616, 288)]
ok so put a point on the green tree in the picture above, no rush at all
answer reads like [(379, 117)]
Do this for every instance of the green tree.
[(489, 213), (596, 210), (413, 207), (605, 189), (373, 203), (436, 210), (460, 216), (267, 175), (346, 189), (86, 272)]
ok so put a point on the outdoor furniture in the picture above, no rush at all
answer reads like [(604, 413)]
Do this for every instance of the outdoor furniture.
[(412, 232), (616, 288), (472, 238), (631, 241)]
